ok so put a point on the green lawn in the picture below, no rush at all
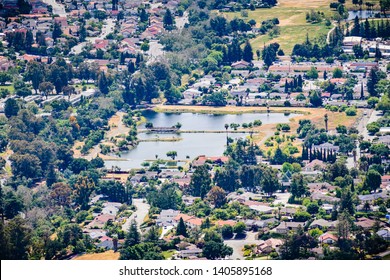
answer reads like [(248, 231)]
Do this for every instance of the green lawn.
[(387, 257), (293, 25), (10, 88), (291, 35), (168, 254)]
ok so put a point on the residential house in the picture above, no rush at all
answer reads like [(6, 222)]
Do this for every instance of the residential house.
[(240, 64), (100, 220), (384, 233), (327, 238), (166, 218), (323, 224), (285, 227)]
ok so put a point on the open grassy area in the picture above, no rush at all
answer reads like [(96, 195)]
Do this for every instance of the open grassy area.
[(293, 25), (168, 254), (10, 88), (108, 255)]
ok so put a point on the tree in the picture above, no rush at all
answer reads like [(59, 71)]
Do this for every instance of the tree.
[(168, 20), (217, 196), (269, 54), (214, 250), (16, 238), (312, 73), (200, 183), (346, 202), (103, 83), (239, 228), (269, 181), (296, 245), (227, 178), (313, 208), (227, 231), (133, 237), (69, 90), (315, 98), (152, 235), (12, 204), (219, 25), (337, 73), (373, 79), (11, 108), (5, 77), (172, 154), (57, 32), (142, 251), (181, 228), (60, 194), (27, 165), (372, 181), (344, 225), (83, 188), (45, 88), (35, 73), (247, 53), (298, 185), (385, 6)]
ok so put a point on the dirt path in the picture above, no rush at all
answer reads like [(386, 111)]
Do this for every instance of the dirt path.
[(117, 129)]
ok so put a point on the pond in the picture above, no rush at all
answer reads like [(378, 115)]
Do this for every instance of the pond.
[(190, 145), (363, 14)]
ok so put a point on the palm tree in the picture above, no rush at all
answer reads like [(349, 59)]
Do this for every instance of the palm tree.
[(326, 122), (227, 139)]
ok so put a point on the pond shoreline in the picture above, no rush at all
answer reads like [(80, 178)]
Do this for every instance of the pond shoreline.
[(227, 110)]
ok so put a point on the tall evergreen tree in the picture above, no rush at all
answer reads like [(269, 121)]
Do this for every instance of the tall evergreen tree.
[(103, 83), (247, 53), (181, 228), (133, 237)]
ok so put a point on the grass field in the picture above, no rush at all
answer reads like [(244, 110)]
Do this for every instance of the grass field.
[(109, 255), (293, 25), (10, 88)]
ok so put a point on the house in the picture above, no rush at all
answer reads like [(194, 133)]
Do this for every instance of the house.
[(384, 233), (323, 224), (240, 64), (201, 160), (315, 165), (166, 218), (366, 223), (100, 220), (190, 253), (327, 238), (256, 224), (326, 147), (190, 221), (267, 246), (111, 208), (370, 198), (221, 223), (285, 227)]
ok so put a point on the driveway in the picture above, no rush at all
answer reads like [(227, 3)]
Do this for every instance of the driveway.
[(139, 215), (238, 244)]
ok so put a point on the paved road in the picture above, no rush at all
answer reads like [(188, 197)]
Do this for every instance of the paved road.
[(58, 8), (368, 117), (139, 215), (238, 244), (108, 27)]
